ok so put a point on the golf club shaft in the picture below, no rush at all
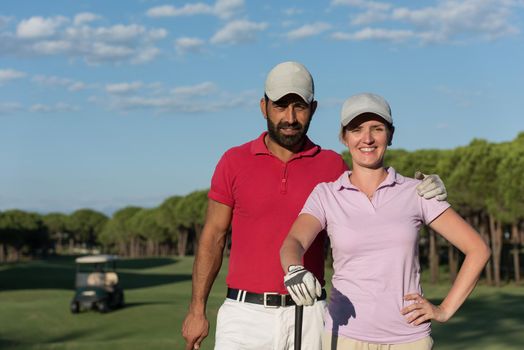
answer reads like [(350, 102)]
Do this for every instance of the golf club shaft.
[(299, 311)]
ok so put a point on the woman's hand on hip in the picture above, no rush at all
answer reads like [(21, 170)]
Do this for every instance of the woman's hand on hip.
[(422, 310)]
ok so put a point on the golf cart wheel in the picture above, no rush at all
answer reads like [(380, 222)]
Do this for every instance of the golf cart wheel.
[(75, 307), (121, 300), (102, 306)]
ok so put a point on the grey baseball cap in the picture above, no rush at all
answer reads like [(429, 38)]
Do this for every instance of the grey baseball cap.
[(365, 103), (289, 78)]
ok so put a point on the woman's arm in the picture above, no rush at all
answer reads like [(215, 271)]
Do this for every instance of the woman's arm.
[(459, 233), (303, 232), (301, 284)]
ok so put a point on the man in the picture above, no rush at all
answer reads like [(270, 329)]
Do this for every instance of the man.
[(259, 188)]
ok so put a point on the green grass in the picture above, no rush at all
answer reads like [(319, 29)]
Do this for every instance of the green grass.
[(35, 296)]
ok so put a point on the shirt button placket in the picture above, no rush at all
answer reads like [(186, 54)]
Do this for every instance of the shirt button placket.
[(283, 182)]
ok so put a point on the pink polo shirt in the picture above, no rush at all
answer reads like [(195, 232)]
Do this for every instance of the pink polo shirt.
[(266, 195), (375, 252)]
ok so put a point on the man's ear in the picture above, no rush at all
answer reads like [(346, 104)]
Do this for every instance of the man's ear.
[(263, 107), (313, 107)]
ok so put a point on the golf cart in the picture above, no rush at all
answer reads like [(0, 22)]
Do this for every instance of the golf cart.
[(97, 284)]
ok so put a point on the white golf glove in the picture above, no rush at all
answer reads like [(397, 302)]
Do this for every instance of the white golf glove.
[(431, 186), (302, 285)]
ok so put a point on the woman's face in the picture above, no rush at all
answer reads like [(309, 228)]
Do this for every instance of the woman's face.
[(367, 139)]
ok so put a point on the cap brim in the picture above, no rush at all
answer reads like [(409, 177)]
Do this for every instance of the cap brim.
[(276, 95), (350, 118)]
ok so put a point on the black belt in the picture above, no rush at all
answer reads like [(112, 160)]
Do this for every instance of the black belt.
[(268, 299)]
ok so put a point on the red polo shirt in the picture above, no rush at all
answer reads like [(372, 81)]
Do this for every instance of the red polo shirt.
[(266, 195)]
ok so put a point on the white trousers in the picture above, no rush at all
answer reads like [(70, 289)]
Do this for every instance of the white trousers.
[(245, 326)]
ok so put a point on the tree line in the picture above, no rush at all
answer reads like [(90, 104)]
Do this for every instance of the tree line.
[(485, 183), (172, 228)]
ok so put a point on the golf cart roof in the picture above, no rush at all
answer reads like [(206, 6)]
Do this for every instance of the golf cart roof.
[(96, 259)]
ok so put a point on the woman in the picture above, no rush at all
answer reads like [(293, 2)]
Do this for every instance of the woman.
[(373, 215)]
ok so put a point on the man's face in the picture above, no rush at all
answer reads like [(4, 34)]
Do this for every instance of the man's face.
[(288, 119)]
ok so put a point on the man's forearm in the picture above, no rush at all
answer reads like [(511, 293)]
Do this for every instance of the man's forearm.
[(205, 269)]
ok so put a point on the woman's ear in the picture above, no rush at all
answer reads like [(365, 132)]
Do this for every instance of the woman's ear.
[(341, 135), (391, 132)]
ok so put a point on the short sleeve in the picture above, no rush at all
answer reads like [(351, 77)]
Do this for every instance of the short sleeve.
[(431, 208), (314, 205), (344, 166), (221, 189)]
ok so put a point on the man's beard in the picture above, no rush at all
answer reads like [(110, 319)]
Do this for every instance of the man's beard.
[(287, 141)]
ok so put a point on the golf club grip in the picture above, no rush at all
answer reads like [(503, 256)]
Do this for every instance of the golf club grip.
[(299, 312)]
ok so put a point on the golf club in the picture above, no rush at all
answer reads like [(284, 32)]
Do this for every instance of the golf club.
[(299, 311)]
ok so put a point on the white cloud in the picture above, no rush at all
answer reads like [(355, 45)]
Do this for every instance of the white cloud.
[(123, 88), (7, 75), (447, 21), (202, 89), (157, 34), (186, 10), (228, 8), (103, 52), (139, 102), (155, 88), (69, 84), (51, 47), (288, 23), (9, 107), (85, 17), (186, 44), (375, 34), (4, 21), (369, 17), (115, 33), (372, 5), (40, 108), (452, 19), (186, 92), (293, 11), (145, 55), (51, 80), (120, 32), (198, 98), (58, 107), (174, 104), (133, 43), (238, 32), (38, 36), (39, 27), (162, 11), (77, 86), (308, 30), (222, 8)]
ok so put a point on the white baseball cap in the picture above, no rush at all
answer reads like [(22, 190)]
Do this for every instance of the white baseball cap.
[(365, 103), (289, 78)]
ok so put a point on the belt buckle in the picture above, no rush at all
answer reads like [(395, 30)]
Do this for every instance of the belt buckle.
[(273, 306), (283, 300)]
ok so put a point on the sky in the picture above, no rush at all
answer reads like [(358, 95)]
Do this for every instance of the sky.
[(105, 104)]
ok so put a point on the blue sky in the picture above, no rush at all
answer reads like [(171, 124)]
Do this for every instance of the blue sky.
[(105, 104)]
